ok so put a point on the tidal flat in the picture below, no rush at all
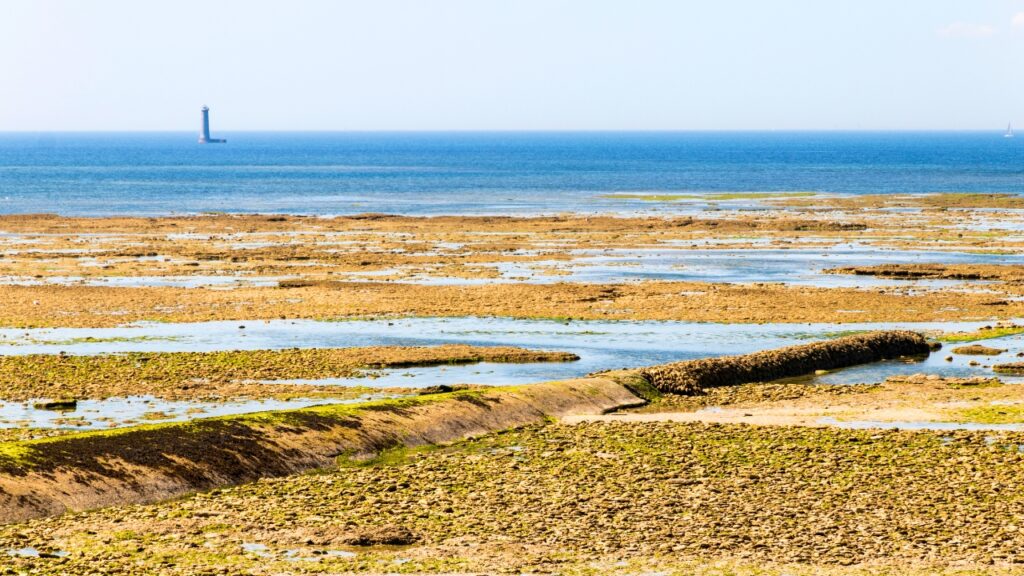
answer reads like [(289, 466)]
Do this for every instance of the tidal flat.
[(229, 374), (166, 329), (49, 394), (619, 498)]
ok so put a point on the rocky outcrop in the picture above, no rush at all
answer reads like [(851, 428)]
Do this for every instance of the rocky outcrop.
[(692, 376), (1004, 272), (1013, 368), (978, 350)]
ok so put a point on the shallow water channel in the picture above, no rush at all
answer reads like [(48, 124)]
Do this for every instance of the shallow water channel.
[(796, 266), (601, 345), (669, 262), (127, 411)]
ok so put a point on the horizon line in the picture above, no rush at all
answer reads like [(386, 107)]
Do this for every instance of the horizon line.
[(515, 130)]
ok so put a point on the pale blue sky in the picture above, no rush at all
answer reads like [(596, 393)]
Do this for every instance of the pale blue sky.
[(511, 64)]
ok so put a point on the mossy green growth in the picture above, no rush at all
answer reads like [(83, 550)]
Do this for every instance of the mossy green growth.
[(16, 453), (986, 333), (617, 491), (976, 199), (271, 417), (391, 457), (997, 414), (635, 382), (27, 453)]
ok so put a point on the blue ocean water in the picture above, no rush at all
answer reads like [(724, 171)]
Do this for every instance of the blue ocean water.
[(478, 173)]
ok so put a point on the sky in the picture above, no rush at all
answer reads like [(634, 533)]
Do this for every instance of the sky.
[(511, 64)]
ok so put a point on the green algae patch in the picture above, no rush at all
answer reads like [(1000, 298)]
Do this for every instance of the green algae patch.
[(269, 419), (390, 457), (15, 454), (974, 200), (635, 382), (991, 414), (986, 333), (335, 411)]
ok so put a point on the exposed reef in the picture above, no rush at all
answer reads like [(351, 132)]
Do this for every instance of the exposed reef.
[(978, 350), (1004, 272), (693, 376)]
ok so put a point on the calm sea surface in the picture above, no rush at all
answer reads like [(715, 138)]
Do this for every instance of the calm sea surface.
[(478, 173)]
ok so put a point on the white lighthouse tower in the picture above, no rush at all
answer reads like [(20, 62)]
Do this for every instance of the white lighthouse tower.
[(204, 131)]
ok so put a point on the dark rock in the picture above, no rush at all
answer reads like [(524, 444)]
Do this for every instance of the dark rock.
[(62, 405), (387, 535), (439, 389)]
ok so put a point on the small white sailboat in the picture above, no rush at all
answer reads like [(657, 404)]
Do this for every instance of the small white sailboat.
[(1009, 131)]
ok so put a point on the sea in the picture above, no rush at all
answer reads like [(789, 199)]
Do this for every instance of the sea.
[(480, 173)]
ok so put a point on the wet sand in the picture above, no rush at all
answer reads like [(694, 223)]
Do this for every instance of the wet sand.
[(915, 401)]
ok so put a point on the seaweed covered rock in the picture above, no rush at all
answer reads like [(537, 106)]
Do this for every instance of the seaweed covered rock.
[(692, 376), (1013, 368), (386, 535), (978, 350)]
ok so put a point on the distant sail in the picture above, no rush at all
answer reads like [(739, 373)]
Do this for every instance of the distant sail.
[(1009, 131)]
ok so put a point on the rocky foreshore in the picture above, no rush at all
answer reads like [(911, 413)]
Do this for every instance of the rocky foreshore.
[(693, 376), (615, 498)]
